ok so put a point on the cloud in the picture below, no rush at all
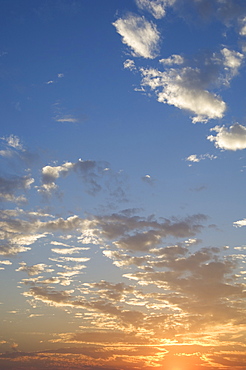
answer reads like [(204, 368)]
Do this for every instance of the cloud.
[(11, 184), (240, 223), (148, 179), (96, 175), (231, 61), (6, 262), (195, 158), (90, 171), (141, 234), (66, 118), (242, 23), (34, 269), (13, 141), (183, 89), (19, 230), (232, 138), (8, 249), (129, 64), (52, 173), (173, 59), (67, 250), (155, 7), (140, 241), (139, 34)]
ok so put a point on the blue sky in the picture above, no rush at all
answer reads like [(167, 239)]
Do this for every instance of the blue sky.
[(122, 184)]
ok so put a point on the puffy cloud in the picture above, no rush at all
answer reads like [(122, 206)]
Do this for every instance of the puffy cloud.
[(60, 224), (232, 138), (240, 223), (173, 59), (144, 231), (8, 249), (17, 233), (183, 88), (51, 173), (9, 185), (232, 59), (139, 241), (94, 175), (122, 259), (199, 276), (67, 250), (33, 270), (49, 295), (155, 7), (195, 158), (6, 262), (139, 34), (129, 64)]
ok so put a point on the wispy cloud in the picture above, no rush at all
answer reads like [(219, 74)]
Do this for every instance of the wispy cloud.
[(156, 7), (67, 118)]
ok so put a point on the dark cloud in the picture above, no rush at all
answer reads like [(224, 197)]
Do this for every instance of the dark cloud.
[(10, 185)]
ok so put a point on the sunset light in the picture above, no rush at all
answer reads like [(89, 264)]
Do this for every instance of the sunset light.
[(122, 184)]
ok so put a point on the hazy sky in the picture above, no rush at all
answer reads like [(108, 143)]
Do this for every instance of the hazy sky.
[(122, 184)]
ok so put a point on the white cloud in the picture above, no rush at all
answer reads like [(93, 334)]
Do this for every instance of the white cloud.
[(68, 118), (148, 179), (183, 88), (242, 31), (129, 64), (232, 138), (240, 223), (195, 158), (173, 59), (6, 262), (50, 174), (139, 34), (14, 142), (232, 61), (94, 174), (155, 7), (10, 185), (33, 270), (65, 251)]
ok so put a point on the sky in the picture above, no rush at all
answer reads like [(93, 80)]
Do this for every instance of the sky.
[(122, 184)]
